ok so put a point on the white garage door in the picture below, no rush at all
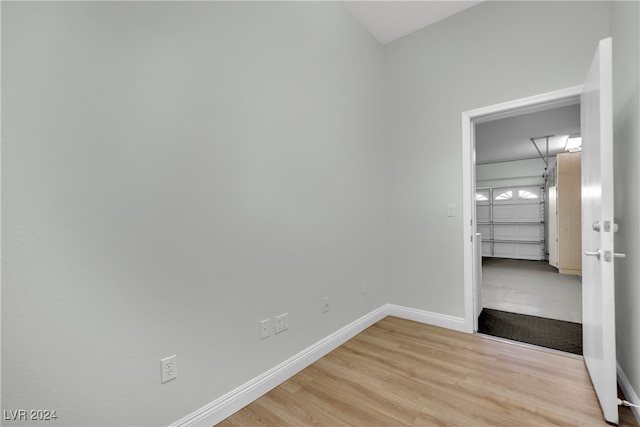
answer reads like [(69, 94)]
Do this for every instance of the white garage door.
[(511, 220)]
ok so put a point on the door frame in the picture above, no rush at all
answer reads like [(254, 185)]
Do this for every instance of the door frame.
[(470, 118)]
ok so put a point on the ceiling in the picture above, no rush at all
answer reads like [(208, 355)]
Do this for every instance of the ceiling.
[(498, 138), (391, 20), (510, 138)]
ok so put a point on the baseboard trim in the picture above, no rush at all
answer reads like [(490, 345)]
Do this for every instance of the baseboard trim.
[(427, 317), (629, 393), (235, 400)]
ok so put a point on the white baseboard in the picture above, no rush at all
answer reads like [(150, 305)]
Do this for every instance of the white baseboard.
[(629, 393), (427, 317), (235, 400)]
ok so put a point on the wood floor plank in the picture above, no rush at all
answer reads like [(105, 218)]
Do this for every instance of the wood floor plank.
[(403, 373), (373, 407)]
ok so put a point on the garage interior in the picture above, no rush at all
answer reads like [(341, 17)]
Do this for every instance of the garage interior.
[(528, 213)]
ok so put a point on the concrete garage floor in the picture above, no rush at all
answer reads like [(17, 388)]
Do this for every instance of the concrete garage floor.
[(531, 287)]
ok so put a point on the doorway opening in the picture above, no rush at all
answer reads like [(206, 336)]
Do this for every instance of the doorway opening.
[(597, 217), (528, 207), (506, 192)]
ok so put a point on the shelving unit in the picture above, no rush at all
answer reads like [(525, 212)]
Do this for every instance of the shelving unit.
[(565, 235), (511, 221)]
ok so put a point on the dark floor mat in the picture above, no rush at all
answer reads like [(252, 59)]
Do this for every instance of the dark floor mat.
[(549, 333)]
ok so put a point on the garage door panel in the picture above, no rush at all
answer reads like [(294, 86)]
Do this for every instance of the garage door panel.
[(485, 229), (529, 233), (486, 249), (483, 213), (483, 196), (517, 213), (517, 250), (511, 220), (519, 195)]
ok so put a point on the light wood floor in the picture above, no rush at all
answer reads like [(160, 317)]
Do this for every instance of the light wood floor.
[(403, 373)]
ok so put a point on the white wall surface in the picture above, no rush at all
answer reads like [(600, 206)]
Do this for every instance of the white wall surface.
[(172, 173), (625, 23), (517, 172), (491, 53)]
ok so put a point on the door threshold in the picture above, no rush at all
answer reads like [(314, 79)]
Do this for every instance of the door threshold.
[(530, 346)]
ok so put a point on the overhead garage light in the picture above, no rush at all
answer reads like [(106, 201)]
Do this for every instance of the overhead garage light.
[(574, 143)]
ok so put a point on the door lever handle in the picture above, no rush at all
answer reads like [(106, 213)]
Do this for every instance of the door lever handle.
[(595, 254), (607, 226), (607, 256)]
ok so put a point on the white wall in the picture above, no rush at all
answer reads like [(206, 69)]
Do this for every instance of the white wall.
[(490, 53), (175, 172), (172, 174), (625, 22), (517, 172)]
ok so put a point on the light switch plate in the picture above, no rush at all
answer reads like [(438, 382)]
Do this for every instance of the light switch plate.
[(282, 323), (264, 329)]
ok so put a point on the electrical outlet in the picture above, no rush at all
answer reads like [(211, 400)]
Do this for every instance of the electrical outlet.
[(451, 209), (282, 322), (364, 288), (325, 304), (264, 329), (169, 368)]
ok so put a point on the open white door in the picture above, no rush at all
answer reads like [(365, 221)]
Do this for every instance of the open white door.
[(598, 301)]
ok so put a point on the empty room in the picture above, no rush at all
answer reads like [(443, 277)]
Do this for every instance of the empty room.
[(264, 213)]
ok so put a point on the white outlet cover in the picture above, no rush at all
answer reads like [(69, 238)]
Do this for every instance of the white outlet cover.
[(325, 304), (169, 368)]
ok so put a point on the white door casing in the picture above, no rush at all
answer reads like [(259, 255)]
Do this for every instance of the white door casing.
[(530, 104), (598, 297)]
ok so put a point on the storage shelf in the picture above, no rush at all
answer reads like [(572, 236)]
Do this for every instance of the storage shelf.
[(507, 224), (537, 201), (513, 223), (526, 242)]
